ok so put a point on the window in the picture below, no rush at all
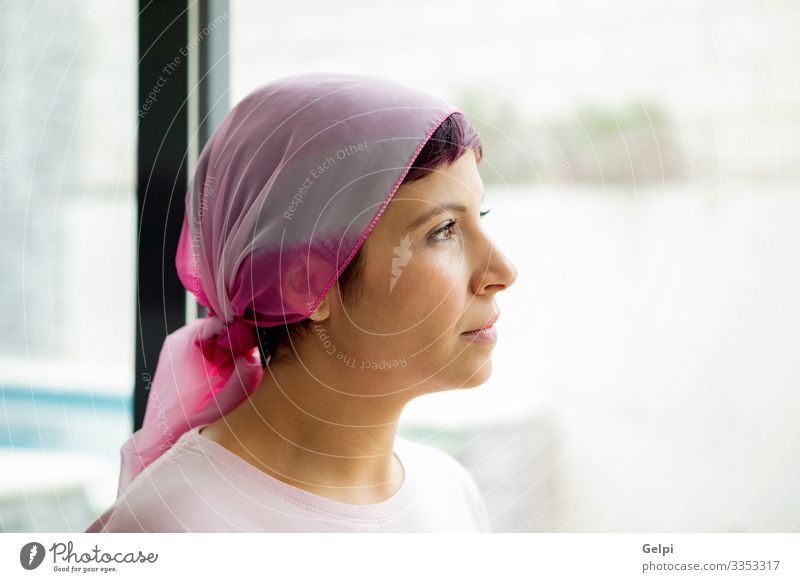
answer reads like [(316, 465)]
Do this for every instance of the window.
[(67, 240), (642, 163)]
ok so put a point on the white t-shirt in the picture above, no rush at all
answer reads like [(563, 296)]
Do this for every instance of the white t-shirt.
[(200, 486)]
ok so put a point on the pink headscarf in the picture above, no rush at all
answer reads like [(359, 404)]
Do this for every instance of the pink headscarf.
[(284, 194)]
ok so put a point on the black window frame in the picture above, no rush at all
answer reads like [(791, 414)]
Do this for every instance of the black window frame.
[(183, 88)]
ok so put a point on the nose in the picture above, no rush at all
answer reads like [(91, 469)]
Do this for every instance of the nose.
[(494, 272)]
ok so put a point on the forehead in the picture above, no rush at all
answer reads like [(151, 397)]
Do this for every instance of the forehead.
[(459, 182)]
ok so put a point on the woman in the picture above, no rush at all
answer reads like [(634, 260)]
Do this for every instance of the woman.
[(278, 411)]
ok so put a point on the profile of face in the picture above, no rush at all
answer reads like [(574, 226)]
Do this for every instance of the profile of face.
[(430, 273)]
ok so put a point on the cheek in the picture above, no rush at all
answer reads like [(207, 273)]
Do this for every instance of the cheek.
[(421, 298)]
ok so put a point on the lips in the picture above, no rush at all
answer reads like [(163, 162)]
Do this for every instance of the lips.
[(489, 323)]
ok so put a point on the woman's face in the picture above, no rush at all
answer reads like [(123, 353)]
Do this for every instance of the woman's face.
[(431, 273)]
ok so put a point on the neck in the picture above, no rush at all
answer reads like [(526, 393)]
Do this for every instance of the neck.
[(336, 440)]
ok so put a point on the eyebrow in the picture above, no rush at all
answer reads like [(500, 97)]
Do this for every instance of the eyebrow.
[(424, 217)]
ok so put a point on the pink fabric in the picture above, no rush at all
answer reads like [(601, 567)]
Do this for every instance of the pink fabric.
[(284, 194)]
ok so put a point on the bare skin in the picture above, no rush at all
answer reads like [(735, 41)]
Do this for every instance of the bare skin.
[(323, 419)]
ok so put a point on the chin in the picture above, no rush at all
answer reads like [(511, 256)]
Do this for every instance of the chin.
[(478, 375)]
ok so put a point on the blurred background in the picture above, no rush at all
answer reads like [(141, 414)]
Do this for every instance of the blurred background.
[(642, 166)]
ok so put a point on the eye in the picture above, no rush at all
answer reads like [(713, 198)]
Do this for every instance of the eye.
[(437, 235)]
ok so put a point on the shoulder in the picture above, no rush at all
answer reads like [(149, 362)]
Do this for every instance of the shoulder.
[(149, 504), (166, 497)]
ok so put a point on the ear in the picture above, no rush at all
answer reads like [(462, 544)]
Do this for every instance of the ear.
[(323, 310)]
